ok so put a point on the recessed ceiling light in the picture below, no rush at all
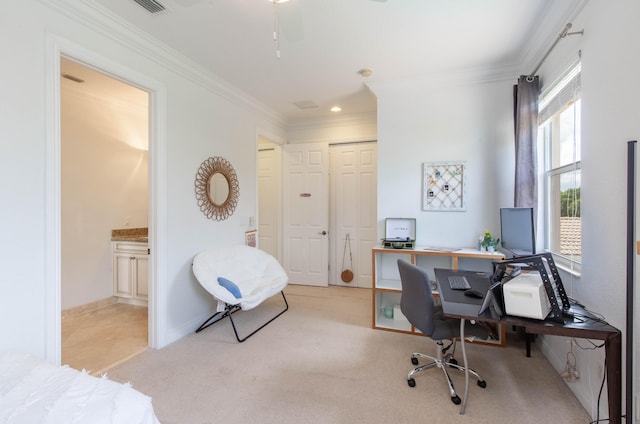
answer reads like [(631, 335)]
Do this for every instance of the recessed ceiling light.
[(365, 72), (336, 109)]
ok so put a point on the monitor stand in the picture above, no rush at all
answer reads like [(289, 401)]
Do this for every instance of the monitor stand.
[(551, 287)]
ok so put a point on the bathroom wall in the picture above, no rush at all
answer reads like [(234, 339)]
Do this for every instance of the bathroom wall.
[(104, 178)]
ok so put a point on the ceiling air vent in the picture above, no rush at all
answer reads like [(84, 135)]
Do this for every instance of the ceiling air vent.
[(151, 5), (306, 104), (72, 78)]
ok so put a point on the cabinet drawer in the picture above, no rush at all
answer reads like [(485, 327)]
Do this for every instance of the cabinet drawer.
[(137, 248)]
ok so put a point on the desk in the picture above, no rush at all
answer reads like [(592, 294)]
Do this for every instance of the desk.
[(455, 304), (387, 288)]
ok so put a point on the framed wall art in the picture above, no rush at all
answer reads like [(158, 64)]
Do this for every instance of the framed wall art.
[(443, 187), (251, 238)]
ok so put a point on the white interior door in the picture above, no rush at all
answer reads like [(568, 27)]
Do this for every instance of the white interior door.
[(269, 198), (353, 199), (306, 213)]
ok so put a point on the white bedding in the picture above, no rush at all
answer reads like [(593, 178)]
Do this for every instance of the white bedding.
[(34, 391)]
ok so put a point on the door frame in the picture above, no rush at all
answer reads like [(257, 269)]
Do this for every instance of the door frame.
[(56, 47), (277, 148)]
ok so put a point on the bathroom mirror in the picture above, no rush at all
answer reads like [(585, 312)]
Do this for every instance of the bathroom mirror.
[(217, 188)]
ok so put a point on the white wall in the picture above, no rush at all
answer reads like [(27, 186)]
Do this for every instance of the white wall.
[(203, 118), (104, 178), (470, 122), (343, 128), (473, 122), (445, 122), (610, 111), (22, 185)]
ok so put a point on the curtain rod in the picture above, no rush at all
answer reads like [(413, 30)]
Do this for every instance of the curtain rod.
[(563, 34)]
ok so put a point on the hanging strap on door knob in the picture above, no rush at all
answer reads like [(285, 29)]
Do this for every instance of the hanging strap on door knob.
[(347, 274)]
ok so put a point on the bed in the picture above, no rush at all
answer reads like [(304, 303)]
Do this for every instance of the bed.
[(34, 391)]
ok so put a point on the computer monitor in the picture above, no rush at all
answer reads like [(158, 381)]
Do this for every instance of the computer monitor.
[(517, 232)]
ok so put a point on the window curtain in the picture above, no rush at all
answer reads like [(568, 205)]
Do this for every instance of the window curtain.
[(526, 94)]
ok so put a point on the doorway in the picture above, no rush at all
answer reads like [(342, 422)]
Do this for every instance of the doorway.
[(104, 186), (352, 205), (269, 193)]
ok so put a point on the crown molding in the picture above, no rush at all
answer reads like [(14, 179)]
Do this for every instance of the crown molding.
[(445, 79), (362, 138), (549, 24), (92, 15), (338, 121), (304, 131), (545, 32)]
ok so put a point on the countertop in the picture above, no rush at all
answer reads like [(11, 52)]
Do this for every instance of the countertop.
[(139, 235)]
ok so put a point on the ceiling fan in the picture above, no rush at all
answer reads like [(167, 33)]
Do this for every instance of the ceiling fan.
[(289, 20)]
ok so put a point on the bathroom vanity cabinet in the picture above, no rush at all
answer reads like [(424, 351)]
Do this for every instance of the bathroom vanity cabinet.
[(131, 271)]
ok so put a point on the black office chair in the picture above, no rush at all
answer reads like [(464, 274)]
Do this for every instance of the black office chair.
[(416, 303)]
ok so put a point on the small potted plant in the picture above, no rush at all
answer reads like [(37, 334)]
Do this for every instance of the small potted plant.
[(488, 242)]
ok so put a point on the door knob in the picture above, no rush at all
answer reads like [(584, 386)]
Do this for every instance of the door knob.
[(324, 233)]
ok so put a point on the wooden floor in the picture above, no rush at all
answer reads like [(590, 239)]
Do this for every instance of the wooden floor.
[(99, 339)]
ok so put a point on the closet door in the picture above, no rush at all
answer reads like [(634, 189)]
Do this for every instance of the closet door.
[(353, 197), (306, 213)]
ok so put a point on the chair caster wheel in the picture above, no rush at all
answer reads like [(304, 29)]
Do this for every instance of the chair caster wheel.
[(414, 361), (411, 382), (482, 383), (456, 399)]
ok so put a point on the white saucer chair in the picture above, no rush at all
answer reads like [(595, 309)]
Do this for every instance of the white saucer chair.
[(239, 277)]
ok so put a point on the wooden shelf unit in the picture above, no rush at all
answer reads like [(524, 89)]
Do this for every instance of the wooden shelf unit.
[(387, 288)]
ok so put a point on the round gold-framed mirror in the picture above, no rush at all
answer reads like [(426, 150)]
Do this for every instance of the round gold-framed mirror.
[(217, 188)]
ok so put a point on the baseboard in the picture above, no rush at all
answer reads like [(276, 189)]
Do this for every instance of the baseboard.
[(131, 301)]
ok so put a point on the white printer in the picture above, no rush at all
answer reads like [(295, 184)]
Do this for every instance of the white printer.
[(525, 296)]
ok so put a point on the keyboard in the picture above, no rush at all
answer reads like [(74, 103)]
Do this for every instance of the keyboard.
[(458, 282)]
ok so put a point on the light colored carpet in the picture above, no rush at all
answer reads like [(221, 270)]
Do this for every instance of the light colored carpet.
[(321, 362)]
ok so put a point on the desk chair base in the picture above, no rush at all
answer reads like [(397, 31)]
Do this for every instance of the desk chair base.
[(443, 361)]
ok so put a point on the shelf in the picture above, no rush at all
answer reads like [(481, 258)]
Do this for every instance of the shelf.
[(387, 287), (393, 324), (391, 300), (389, 284)]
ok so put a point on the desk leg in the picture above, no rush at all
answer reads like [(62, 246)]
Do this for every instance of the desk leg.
[(466, 368), (613, 356), (528, 338)]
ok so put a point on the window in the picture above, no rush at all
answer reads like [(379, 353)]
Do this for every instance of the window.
[(559, 133)]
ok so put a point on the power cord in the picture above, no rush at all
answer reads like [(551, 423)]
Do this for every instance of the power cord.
[(593, 345), (570, 372), (603, 420), (604, 377)]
